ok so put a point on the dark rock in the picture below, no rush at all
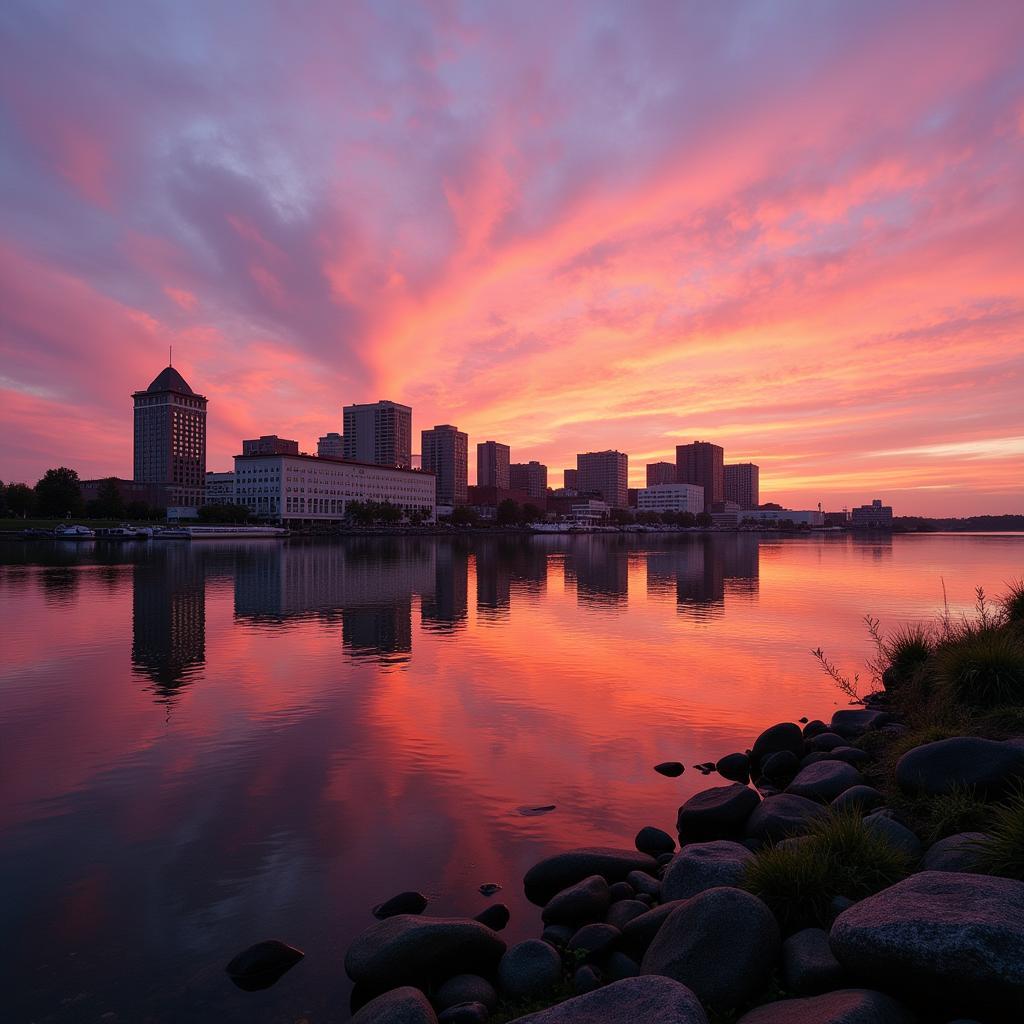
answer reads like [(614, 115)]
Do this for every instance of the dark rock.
[(814, 728), (405, 1005), (621, 891), (717, 813), (734, 767), (864, 798), (808, 964), (852, 723), (529, 970), (934, 769), (954, 853), (494, 917), (814, 757), (783, 815), (639, 933), (645, 897), (847, 1006), (553, 874), (802, 720), (825, 741), (942, 937), (464, 1013), (700, 866), (664, 858), (621, 913), (654, 841), (895, 834), (705, 767), (825, 780), (630, 1001), (619, 966), (403, 903), (670, 769), (531, 811), (465, 988), (586, 979), (851, 755), (557, 935), (722, 944), (643, 882), (407, 950), (489, 888), (784, 736), (585, 901), (262, 964), (782, 765), (593, 939), (838, 904)]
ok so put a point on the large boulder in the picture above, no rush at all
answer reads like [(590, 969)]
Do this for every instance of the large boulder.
[(808, 965), (585, 901), (654, 841), (405, 1005), (529, 970), (935, 769), (553, 874), (700, 866), (412, 950), (784, 736), (954, 853), (716, 813), (863, 798), (593, 940), (825, 780), (734, 767), (895, 834), (852, 723), (624, 911), (846, 1006), (638, 934), (721, 943), (782, 815), (465, 988), (950, 938), (651, 1000)]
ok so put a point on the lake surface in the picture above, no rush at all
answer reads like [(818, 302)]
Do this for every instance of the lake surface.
[(206, 745)]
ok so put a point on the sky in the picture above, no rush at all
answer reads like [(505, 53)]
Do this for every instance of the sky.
[(792, 228)]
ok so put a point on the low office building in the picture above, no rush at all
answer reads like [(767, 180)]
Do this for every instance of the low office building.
[(129, 491), (724, 514), (486, 499), (670, 498), (311, 489), (331, 446), (800, 517), (590, 513), (220, 489), (270, 444), (875, 516)]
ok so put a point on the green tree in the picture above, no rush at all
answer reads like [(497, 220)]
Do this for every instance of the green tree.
[(138, 510), (531, 514), (3, 499), (508, 512), (622, 517), (687, 519), (389, 514), (59, 493), (704, 519), (465, 515), (21, 500), (109, 504)]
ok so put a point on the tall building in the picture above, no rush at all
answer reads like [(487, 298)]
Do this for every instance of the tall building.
[(531, 477), (270, 444), (378, 433), (604, 473), (445, 453), (570, 479), (702, 463), (492, 463), (740, 482), (170, 438), (660, 473), (330, 446)]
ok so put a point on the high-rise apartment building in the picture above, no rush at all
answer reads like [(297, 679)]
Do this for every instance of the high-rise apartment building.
[(702, 463), (379, 433), (740, 482), (604, 473), (570, 479), (330, 446), (445, 453), (170, 438), (660, 473), (531, 477), (270, 444), (492, 462)]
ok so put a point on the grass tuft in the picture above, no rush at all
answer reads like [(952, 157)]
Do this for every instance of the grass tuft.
[(1002, 851), (1013, 602), (935, 817), (906, 650), (981, 667)]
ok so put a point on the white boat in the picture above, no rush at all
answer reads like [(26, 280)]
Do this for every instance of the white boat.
[(220, 532), (74, 532), (118, 533)]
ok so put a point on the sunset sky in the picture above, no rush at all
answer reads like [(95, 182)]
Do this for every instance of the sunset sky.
[(795, 229)]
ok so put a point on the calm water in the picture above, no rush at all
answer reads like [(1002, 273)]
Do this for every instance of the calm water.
[(204, 746)]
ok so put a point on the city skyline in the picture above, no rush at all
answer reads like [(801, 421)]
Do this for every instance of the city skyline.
[(814, 262)]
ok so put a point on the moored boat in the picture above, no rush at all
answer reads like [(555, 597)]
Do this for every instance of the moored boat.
[(74, 532), (221, 532)]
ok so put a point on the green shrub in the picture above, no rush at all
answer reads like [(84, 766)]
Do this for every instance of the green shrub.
[(1013, 602), (1001, 723), (1002, 851), (839, 856), (903, 652), (935, 817), (982, 667)]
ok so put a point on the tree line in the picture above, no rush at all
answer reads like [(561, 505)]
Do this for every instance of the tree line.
[(58, 495)]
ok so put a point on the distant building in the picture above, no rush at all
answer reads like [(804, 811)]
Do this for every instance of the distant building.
[(531, 477), (153, 495), (604, 474), (800, 517), (841, 518), (270, 444), (492, 465), (331, 446), (445, 453), (486, 499), (220, 489), (671, 498), (570, 479), (310, 489), (660, 473), (590, 512), (378, 432), (702, 463), (170, 439), (740, 480), (631, 493), (724, 514), (875, 516)]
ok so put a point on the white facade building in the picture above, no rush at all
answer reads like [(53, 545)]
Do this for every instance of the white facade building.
[(316, 489), (804, 517), (590, 512), (670, 498)]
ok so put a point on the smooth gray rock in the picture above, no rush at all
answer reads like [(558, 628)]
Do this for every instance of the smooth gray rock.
[(585, 901), (895, 834), (716, 813), (621, 913), (621, 891), (808, 964), (954, 853), (593, 939), (785, 814), (408, 949), (734, 767), (863, 798), (700, 866), (784, 736), (654, 841), (826, 741), (935, 769), (529, 970), (464, 1013), (851, 755), (941, 937), (846, 1006), (825, 780), (644, 883), (465, 988), (619, 966), (557, 935), (405, 1005), (553, 874), (639, 933), (852, 723), (721, 943), (782, 765), (631, 1001)]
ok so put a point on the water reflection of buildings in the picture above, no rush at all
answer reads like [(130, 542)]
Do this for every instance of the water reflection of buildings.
[(599, 568), (506, 565), (444, 609), (702, 569)]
